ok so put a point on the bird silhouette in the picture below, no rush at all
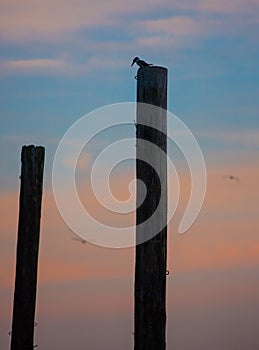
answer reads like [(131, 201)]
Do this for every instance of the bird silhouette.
[(231, 177), (140, 62), (83, 241)]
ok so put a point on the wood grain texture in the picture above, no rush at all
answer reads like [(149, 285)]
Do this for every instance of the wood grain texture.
[(32, 159), (150, 265)]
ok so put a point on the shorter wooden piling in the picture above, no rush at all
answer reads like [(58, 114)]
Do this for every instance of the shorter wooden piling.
[(32, 159)]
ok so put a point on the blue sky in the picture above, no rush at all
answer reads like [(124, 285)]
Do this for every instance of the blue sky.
[(60, 60)]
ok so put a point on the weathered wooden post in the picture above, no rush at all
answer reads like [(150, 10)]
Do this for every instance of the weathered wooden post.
[(32, 159), (150, 266)]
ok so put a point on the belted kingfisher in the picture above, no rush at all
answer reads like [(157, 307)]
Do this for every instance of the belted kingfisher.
[(140, 62)]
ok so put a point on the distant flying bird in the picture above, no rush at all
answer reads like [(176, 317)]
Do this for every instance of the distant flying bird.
[(83, 241), (232, 178), (140, 62)]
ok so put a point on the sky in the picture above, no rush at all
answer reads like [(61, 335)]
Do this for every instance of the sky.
[(60, 60)]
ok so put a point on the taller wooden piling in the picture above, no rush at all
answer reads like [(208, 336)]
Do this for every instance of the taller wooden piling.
[(150, 266), (32, 159)]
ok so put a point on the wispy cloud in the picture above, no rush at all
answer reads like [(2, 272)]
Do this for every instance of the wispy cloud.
[(56, 66), (104, 29), (189, 29), (82, 163), (178, 26), (41, 65), (233, 7), (176, 32), (29, 20), (244, 138), (60, 19)]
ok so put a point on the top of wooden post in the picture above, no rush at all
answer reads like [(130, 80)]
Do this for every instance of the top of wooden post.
[(152, 86)]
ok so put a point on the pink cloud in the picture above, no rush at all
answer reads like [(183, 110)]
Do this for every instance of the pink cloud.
[(33, 65), (178, 26), (56, 66), (175, 32), (57, 20), (233, 7), (60, 19), (30, 20), (247, 138), (82, 163), (224, 235), (207, 264), (229, 212)]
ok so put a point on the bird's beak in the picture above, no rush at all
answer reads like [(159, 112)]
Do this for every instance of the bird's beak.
[(132, 63)]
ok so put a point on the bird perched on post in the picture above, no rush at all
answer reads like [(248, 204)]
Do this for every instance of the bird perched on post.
[(140, 62)]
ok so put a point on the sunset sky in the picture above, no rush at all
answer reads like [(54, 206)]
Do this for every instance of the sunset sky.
[(60, 60)]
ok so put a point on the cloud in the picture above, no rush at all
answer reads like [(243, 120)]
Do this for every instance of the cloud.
[(59, 20), (224, 236), (215, 254), (82, 162), (41, 65), (30, 20), (57, 66), (212, 266), (189, 30), (194, 22), (178, 26), (233, 7), (176, 32), (244, 138), (88, 33)]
